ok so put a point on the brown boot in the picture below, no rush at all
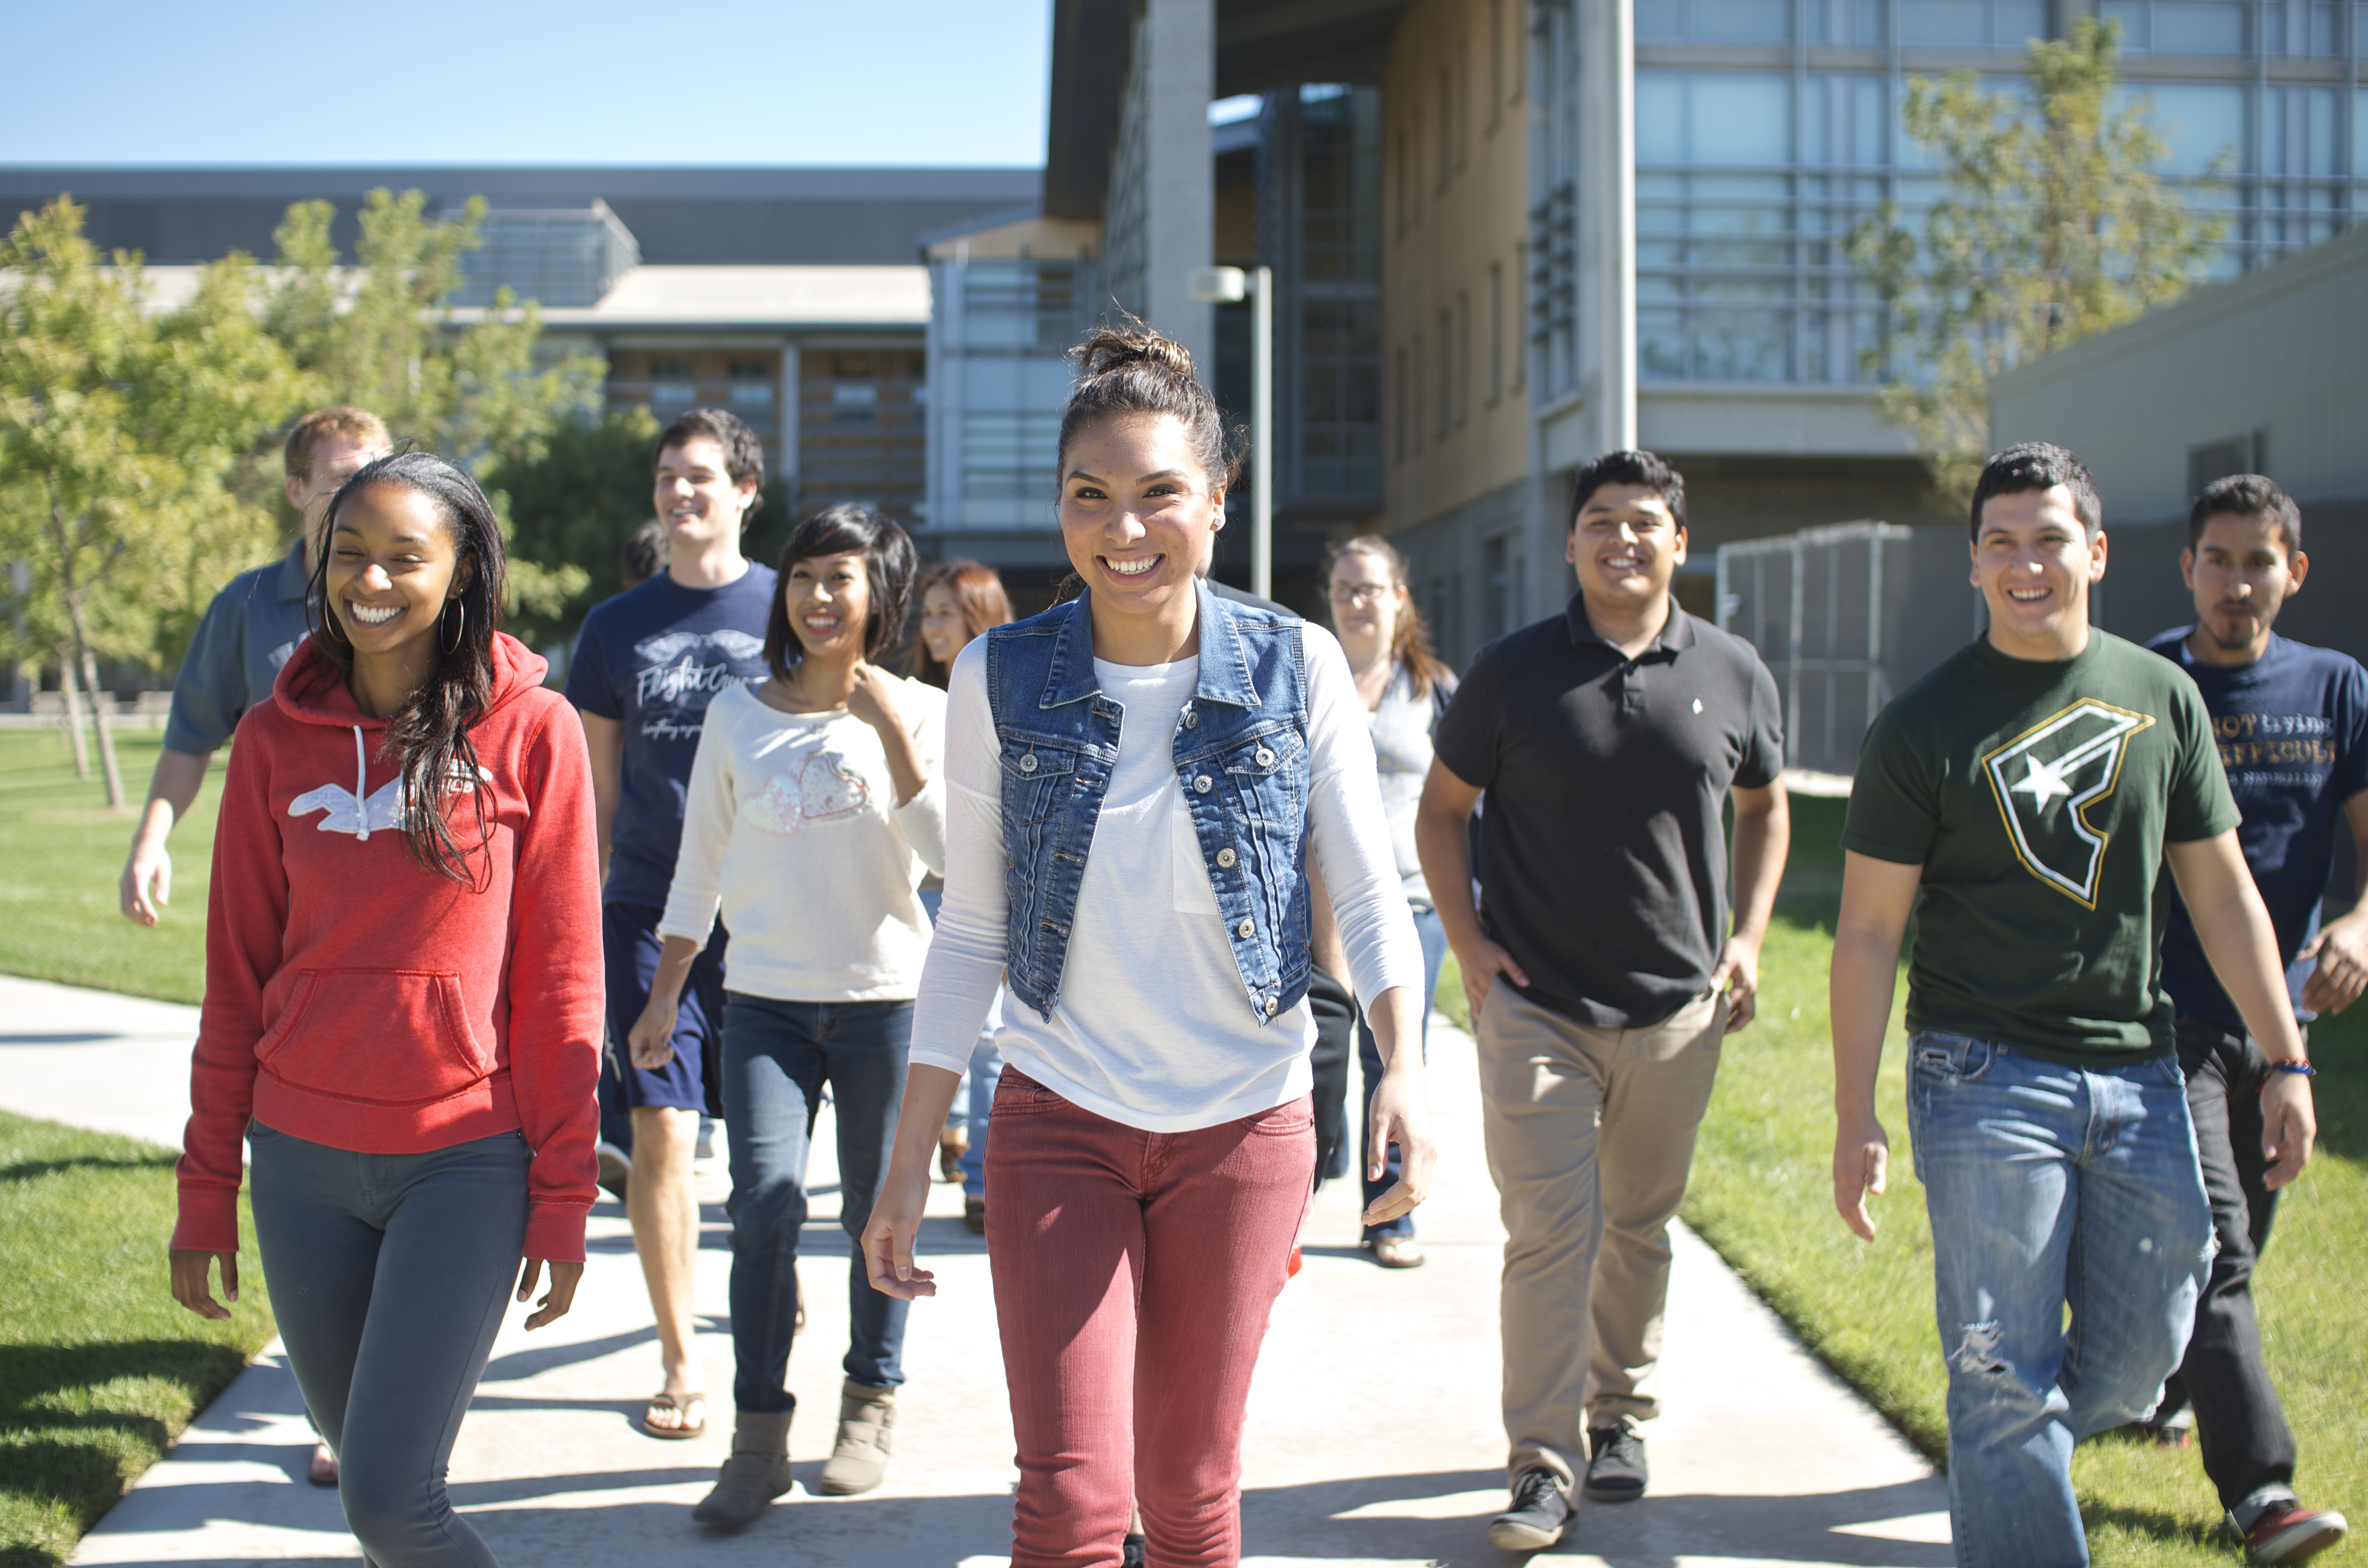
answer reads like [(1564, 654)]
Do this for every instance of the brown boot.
[(757, 1472), (860, 1460)]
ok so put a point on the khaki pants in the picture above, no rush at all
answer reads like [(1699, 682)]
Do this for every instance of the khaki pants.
[(1590, 1134)]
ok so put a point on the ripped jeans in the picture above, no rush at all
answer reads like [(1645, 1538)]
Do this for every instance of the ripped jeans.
[(2050, 1187)]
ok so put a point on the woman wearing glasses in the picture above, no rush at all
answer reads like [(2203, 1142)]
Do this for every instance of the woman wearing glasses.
[(1404, 688)]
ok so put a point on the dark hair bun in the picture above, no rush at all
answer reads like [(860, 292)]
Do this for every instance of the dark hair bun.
[(1107, 348)]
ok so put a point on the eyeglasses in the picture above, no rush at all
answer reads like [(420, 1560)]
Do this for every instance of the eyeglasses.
[(1362, 593)]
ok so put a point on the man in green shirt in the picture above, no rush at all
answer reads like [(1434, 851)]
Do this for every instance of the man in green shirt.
[(2032, 789)]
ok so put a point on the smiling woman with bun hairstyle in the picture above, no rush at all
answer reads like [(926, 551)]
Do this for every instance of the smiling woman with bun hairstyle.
[(1137, 780), (402, 999)]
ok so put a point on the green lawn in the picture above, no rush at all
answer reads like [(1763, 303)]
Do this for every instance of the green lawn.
[(99, 1367), (1762, 1196), (61, 853)]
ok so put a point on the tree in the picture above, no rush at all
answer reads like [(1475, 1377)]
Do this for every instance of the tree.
[(2051, 226), (118, 432), (380, 335), (578, 502)]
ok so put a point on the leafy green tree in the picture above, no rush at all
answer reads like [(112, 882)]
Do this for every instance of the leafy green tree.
[(577, 503), (2052, 225), (119, 431), (380, 335)]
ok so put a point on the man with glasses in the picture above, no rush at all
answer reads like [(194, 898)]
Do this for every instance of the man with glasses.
[(247, 633)]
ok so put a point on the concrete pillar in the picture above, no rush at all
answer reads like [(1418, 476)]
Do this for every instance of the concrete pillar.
[(1608, 71), (1161, 211)]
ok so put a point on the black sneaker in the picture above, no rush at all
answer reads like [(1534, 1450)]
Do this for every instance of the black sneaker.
[(1130, 1552), (1616, 1473), (1538, 1517)]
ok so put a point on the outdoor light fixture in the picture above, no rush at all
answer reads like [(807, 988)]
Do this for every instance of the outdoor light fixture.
[(1224, 285)]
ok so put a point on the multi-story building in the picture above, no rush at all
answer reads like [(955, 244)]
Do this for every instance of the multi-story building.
[(794, 297), (1602, 223)]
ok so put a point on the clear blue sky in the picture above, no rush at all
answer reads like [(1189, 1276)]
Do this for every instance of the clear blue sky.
[(526, 81)]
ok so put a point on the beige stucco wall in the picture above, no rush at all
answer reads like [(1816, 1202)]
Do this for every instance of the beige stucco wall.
[(1455, 209)]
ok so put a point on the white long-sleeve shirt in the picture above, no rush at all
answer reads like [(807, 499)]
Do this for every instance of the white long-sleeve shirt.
[(1152, 1026), (790, 825)]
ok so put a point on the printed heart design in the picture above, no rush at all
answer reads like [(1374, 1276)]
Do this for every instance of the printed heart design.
[(821, 789)]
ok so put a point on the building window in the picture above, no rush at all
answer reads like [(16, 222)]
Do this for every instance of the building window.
[(1975, 24), (1462, 100), (1496, 332), (1496, 62), (1463, 358), (1401, 389), (1414, 384), (1446, 126), (1517, 343), (1446, 376), (1715, 21), (2182, 26)]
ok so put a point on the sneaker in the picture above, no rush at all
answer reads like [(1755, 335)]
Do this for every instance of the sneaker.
[(1539, 1515), (974, 1213), (2288, 1532), (1130, 1552), (1616, 1473)]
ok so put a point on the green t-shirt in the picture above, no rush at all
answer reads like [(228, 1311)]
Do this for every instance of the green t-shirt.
[(2037, 797)]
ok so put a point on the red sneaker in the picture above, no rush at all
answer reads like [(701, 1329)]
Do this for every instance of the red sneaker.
[(1292, 1272), (2288, 1532)]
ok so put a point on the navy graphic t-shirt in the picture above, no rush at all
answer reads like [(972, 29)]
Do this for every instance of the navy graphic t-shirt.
[(2292, 732), (652, 659)]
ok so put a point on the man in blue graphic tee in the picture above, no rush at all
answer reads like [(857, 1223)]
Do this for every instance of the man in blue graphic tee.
[(2292, 725), (648, 664)]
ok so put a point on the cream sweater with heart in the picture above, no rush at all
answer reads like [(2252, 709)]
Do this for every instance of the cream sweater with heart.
[(791, 826)]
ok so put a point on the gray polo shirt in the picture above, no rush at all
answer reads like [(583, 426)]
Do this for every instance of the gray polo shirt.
[(1603, 862), (248, 633)]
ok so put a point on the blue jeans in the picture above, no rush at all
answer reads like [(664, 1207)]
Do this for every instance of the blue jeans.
[(390, 1274), (1369, 1058), (777, 1057), (2050, 1185), (985, 1073)]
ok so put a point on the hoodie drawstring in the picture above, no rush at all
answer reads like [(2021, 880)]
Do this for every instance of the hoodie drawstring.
[(362, 784)]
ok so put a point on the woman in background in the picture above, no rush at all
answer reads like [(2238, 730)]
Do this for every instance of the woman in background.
[(960, 599), (1404, 689), (402, 999)]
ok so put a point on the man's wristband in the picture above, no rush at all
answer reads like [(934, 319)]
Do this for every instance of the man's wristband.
[(2295, 1065)]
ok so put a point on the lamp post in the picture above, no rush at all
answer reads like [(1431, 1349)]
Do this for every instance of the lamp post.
[(1223, 284)]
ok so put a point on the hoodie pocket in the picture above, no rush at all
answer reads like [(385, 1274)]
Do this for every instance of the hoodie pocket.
[(380, 1036)]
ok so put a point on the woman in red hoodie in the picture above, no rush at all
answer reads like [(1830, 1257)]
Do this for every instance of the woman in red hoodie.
[(402, 999)]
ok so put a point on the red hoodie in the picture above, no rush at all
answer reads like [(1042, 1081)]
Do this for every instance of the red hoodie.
[(356, 1000)]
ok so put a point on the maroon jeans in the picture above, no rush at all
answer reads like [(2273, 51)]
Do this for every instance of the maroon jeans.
[(1134, 1275)]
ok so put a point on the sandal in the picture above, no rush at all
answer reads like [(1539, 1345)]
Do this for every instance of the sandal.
[(1396, 1252), (321, 1469), (682, 1408)]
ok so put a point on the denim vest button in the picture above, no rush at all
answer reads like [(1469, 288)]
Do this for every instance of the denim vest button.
[(1203, 784), (1272, 1007), (1246, 930), (1226, 859), (1265, 758), (1027, 763), (1192, 719)]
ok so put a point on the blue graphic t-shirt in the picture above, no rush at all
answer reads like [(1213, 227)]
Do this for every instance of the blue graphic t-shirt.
[(652, 659), (2292, 732)]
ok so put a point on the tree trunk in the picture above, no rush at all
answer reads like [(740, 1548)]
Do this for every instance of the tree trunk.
[(101, 705), (74, 710)]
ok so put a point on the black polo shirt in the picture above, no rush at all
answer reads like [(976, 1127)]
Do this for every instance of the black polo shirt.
[(1602, 862)]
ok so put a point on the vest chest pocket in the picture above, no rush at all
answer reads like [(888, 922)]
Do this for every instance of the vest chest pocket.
[(1036, 780)]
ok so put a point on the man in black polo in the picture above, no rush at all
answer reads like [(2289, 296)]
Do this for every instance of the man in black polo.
[(1606, 742)]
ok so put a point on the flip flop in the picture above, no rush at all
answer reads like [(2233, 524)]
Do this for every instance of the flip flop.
[(682, 1407)]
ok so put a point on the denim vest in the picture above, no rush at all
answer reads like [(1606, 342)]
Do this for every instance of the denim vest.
[(1240, 750)]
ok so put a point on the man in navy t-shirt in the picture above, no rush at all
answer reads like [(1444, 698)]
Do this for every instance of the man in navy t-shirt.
[(2292, 723), (647, 665)]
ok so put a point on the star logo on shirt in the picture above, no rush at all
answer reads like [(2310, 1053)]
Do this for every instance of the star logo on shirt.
[(2074, 755), (2043, 783)]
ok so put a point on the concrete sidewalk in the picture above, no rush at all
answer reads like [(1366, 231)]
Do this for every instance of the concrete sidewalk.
[(1373, 1435)]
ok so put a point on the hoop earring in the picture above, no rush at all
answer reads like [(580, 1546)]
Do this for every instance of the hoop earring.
[(458, 628)]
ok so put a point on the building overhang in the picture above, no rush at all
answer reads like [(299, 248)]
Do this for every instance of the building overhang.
[(1262, 46)]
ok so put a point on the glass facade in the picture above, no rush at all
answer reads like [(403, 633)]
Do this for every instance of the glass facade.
[(998, 332), (1749, 182), (570, 257)]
